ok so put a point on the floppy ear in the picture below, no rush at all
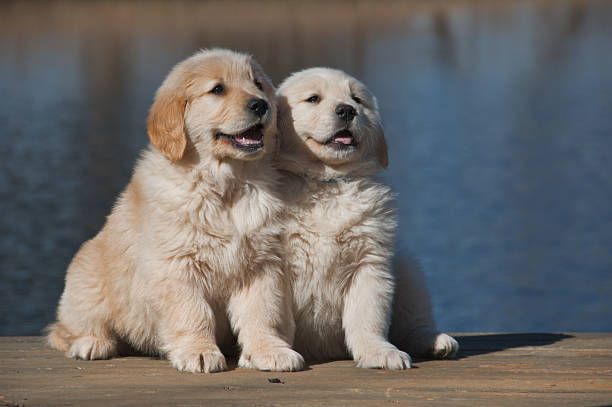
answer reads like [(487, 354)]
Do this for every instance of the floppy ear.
[(277, 144), (380, 150), (165, 125), (284, 123), (381, 154)]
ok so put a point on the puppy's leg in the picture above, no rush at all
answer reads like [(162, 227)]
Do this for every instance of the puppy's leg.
[(366, 321), (412, 326), (82, 329), (81, 346), (187, 328), (93, 347), (261, 316)]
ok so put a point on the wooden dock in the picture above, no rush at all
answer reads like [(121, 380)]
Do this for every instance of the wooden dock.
[(491, 370)]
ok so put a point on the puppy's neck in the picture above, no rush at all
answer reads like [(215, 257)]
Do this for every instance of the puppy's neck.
[(313, 169), (230, 175)]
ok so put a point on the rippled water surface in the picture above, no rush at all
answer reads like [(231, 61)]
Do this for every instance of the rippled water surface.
[(498, 115)]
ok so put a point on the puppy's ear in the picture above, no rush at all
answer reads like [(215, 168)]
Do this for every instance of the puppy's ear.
[(380, 150), (166, 123), (277, 145), (382, 154), (284, 122), (283, 111)]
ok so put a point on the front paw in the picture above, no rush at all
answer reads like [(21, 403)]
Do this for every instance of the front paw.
[(445, 346), (272, 359), (382, 356), (91, 347), (203, 360)]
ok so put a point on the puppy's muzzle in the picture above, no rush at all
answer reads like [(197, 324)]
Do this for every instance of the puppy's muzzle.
[(258, 107), (250, 140), (345, 112)]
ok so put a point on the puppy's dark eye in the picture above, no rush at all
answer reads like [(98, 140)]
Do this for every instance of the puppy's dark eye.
[(218, 90), (314, 99), (258, 84), (357, 99)]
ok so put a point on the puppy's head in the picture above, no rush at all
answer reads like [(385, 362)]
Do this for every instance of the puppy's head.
[(333, 116), (219, 101)]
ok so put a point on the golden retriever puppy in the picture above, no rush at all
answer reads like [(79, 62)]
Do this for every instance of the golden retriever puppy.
[(339, 233), (189, 256)]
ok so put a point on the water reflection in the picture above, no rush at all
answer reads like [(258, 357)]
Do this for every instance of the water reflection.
[(497, 114)]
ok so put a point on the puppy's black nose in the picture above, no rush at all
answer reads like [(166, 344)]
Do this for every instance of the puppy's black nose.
[(258, 106), (345, 112)]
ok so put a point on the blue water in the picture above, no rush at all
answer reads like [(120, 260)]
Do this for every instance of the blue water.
[(498, 116)]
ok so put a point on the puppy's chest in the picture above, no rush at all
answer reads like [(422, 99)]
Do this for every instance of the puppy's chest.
[(226, 237), (330, 234), (322, 237), (330, 215)]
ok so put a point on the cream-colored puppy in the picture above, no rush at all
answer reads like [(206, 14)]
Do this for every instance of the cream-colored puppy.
[(189, 256), (338, 238)]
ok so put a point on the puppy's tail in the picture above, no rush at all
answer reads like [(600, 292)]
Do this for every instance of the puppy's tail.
[(58, 336)]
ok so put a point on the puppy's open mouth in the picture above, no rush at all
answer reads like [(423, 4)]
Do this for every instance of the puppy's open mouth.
[(250, 140), (342, 140)]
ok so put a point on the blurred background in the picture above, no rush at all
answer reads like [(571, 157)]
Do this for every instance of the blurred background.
[(498, 116)]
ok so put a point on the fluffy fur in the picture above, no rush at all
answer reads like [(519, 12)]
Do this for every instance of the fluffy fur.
[(190, 255), (339, 232)]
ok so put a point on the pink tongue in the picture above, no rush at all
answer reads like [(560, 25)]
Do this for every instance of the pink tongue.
[(247, 141), (343, 140)]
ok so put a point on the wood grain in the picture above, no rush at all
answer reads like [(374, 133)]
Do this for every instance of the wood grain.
[(491, 370)]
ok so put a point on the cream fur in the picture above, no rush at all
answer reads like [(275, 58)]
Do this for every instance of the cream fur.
[(339, 232), (190, 255)]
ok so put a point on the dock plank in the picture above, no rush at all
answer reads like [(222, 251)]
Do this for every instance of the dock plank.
[(491, 369)]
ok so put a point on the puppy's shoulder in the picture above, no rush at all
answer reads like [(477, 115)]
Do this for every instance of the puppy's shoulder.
[(165, 188), (371, 188), (365, 195), (153, 169)]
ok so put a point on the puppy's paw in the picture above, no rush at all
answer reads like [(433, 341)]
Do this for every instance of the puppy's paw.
[(444, 346), (383, 356), (272, 359), (92, 347), (206, 360)]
